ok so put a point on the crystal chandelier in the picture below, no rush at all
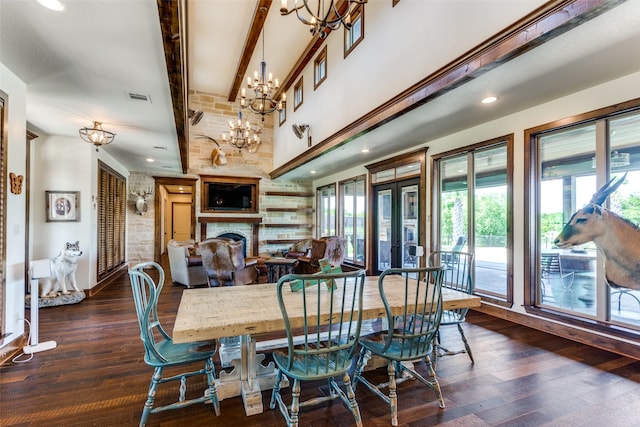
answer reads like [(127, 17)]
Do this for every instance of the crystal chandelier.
[(321, 16), (262, 103), (242, 135), (96, 135)]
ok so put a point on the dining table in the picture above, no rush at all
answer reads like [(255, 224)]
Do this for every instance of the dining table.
[(252, 312)]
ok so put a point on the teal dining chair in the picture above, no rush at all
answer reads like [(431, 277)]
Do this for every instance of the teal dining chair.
[(159, 349), (457, 276), (322, 314), (410, 335)]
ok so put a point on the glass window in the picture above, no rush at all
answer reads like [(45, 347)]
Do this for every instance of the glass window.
[(326, 207), (320, 68), (473, 209), (297, 95), (353, 212), (354, 35), (573, 163)]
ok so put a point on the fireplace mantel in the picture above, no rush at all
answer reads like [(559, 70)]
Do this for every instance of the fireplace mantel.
[(254, 220)]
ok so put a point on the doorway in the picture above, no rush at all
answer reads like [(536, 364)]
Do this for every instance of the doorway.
[(396, 226), (173, 191)]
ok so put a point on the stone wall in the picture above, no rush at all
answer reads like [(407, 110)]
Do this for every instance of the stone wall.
[(217, 114), (140, 228)]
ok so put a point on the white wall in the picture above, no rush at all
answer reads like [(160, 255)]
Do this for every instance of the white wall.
[(67, 164), (392, 57), (15, 207)]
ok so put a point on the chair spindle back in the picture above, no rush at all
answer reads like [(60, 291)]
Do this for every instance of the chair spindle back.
[(332, 305), (411, 332)]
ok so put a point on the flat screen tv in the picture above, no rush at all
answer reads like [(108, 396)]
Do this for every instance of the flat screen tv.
[(232, 197), (229, 194)]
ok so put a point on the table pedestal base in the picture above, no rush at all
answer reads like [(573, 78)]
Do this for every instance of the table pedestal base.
[(250, 381)]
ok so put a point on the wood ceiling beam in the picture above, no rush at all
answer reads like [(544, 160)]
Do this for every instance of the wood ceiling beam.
[(545, 23), (170, 27), (307, 55), (257, 24)]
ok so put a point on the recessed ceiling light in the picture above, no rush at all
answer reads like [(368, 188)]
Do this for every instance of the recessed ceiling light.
[(52, 4), (489, 99), (364, 150), (312, 172), (149, 159)]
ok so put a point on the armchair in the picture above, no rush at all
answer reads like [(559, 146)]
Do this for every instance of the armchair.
[(332, 248), (299, 249), (186, 269), (224, 263)]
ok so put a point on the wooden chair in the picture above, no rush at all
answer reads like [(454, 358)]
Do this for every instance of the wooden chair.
[(159, 349), (410, 335), (457, 275), (326, 349), (224, 263)]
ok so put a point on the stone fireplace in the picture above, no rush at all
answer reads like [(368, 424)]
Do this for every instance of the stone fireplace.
[(238, 228)]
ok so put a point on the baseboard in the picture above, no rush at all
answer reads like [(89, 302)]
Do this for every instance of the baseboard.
[(104, 283), (602, 342)]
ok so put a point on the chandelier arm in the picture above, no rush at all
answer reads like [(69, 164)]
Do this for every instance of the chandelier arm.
[(316, 23), (284, 11)]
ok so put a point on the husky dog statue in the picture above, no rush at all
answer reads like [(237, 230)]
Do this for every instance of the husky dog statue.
[(64, 268)]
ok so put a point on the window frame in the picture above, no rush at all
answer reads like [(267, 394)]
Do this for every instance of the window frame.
[(341, 219), (282, 115), (508, 141), (325, 220), (298, 88), (531, 224), (321, 59), (349, 43)]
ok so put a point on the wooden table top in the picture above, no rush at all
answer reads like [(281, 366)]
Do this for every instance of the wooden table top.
[(208, 313), (281, 261)]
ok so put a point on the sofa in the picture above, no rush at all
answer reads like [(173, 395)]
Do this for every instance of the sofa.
[(185, 264), (332, 248), (224, 263)]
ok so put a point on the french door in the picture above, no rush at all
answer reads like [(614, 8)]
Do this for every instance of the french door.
[(396, 214)]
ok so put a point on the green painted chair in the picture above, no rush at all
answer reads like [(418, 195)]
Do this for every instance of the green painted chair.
[(410, 335), (159, 349), (457, 275), (318, 347)]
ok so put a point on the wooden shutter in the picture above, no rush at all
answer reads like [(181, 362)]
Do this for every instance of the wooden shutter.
[(112, 201)]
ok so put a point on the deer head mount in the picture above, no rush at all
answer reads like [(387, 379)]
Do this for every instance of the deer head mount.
[(141, 205)]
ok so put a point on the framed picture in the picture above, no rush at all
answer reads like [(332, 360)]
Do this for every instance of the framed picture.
[(63, 206)]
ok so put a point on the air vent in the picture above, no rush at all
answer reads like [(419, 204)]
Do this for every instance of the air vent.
[(158, 147), (138, 97)]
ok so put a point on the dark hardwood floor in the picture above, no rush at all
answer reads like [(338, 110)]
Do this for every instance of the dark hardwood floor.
[(522, 377)]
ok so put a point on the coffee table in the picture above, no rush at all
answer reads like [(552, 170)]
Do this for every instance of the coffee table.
[(277, 267)]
